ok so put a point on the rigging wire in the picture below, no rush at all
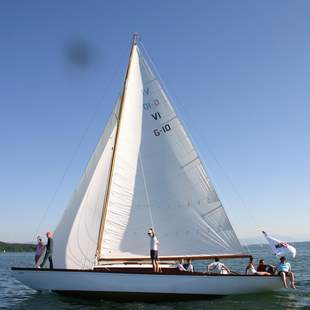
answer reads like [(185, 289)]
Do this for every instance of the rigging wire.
[(80, 142), (146, 192), (148, 200), (226, 175)]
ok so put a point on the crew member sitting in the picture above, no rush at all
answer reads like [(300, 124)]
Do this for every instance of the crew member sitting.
[(189, 266), (218, 267), (250, 269), (262, 266), (179, 265), (284, 270)]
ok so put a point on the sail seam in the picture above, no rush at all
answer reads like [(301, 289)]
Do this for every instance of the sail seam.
[(182, 167), (150, 81), (211, 211), (169, 120)]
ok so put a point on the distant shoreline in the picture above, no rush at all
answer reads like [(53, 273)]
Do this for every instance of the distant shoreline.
[(28, 247), (16, 247)]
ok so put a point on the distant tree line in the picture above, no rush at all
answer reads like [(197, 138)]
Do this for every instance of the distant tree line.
[(16, 247)]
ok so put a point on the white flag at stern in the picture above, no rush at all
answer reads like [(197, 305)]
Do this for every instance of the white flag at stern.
[(279, 247)]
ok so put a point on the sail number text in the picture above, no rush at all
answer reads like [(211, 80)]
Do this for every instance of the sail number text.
[(162, 130), (151, 104)]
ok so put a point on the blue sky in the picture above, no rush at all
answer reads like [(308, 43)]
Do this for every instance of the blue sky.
[(238, 72)]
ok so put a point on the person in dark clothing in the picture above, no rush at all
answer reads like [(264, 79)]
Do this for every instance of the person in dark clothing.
[(262, 266), (49, 251), (39, 251)]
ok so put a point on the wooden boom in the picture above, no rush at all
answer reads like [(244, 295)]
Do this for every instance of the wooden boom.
[(173, 258)]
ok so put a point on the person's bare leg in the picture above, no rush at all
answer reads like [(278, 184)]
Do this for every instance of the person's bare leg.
[(154, 265), (158, 266), (283, 277), (292, 279)]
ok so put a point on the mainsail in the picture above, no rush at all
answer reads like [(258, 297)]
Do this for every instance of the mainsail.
[(157, 180)]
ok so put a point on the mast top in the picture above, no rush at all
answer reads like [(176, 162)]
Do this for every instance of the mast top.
[(135, 38)]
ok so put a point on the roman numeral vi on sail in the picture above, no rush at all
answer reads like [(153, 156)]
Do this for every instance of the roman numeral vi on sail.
[(156, 116)]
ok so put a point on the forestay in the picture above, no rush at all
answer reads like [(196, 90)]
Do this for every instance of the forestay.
[(160, 180)]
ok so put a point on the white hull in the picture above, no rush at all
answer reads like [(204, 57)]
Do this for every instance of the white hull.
[(75, 281)]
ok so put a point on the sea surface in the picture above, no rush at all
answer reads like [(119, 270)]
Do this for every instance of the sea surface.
[(14, 295)]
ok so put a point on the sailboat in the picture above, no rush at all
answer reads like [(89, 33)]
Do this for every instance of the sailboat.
[(145, 172)]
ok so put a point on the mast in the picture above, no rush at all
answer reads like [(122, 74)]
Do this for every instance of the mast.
[(108, 188)]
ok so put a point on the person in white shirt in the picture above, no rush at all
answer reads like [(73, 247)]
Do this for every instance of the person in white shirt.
[(189, 266), (154, 249), (180, 266), (218, 267), (250, 269)]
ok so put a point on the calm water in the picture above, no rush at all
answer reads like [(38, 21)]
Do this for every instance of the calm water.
[(14, 295)]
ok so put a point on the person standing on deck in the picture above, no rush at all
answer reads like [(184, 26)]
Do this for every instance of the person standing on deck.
[(39, 251), (154, 249), (49, 251)]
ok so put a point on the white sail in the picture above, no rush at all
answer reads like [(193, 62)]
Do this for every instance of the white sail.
[(123, 180), (159, 180), (77, 233)]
